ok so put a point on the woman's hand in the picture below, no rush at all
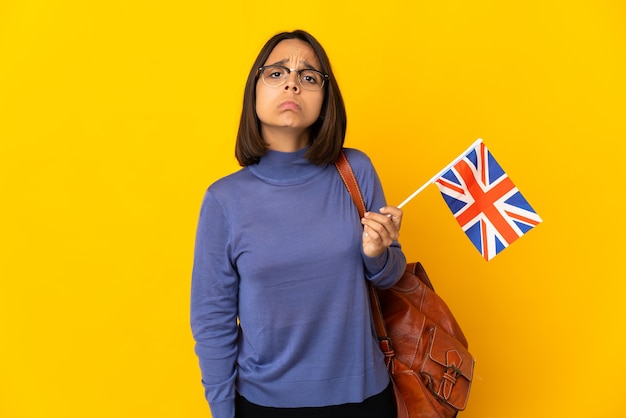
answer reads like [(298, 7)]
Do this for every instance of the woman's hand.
[(380, 230)]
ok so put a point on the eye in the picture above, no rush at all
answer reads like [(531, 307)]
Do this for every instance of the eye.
[(311, 77), (275, 72)]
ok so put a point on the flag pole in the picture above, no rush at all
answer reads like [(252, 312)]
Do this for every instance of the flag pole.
[(436, 176)]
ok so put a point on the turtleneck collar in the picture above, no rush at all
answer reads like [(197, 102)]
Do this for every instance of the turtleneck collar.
[(285, 168)]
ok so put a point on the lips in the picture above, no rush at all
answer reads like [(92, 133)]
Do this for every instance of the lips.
[(289, 105)]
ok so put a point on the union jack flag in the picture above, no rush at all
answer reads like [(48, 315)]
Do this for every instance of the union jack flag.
[(485, 202)]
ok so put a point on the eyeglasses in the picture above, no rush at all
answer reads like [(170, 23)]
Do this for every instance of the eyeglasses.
[(277, 75)]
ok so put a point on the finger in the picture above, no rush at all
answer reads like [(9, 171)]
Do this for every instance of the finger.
[(394, 213), (391, 211), (372, 243), (378, 221), (381, 218), (384, 231)]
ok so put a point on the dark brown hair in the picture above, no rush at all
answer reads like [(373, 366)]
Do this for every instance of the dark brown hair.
[(327, 134)]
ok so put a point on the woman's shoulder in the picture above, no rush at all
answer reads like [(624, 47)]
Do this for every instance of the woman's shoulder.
[(229, 183), (359, 160), (226, 192)]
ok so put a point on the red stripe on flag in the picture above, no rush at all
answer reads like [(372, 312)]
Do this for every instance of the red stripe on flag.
[(484, 202), (451, 186), (482, 168), (483, 229), (522, 218)]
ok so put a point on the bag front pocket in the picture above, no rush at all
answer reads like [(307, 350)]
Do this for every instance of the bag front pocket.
[(448, 369)]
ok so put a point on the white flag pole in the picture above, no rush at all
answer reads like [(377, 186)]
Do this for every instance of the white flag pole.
[(436, 176)]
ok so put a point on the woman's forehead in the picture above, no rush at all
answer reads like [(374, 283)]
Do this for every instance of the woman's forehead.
[(293, 51)]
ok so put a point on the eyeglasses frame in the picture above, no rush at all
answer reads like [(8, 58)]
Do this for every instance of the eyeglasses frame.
[(262, 69)]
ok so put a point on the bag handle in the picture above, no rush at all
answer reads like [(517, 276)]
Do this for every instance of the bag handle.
[(351, 183)]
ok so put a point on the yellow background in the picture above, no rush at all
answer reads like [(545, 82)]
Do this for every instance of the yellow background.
[(116, 115)]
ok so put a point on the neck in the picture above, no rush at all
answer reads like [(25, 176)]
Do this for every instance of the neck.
[(285, 140)]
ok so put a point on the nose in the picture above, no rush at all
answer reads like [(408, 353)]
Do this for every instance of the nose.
[(292, 81)]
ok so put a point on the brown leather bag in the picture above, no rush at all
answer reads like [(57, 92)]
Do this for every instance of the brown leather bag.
[(425, 349)]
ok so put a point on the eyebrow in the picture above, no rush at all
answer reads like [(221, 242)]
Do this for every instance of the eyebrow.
[(306, 64)]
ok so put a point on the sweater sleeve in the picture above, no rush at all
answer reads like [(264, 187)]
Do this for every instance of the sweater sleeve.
[(214, 294), (385, 270)]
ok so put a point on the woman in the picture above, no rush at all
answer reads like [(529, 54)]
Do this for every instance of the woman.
[(279, 305)]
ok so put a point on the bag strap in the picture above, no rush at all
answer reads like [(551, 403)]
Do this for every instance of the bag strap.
[(351, 183), (349, 179)]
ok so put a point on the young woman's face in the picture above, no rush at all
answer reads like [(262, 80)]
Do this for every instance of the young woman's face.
[(288, 107)]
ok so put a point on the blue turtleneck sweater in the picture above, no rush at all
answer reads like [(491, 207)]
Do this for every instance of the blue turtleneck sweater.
[(279, 304)]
